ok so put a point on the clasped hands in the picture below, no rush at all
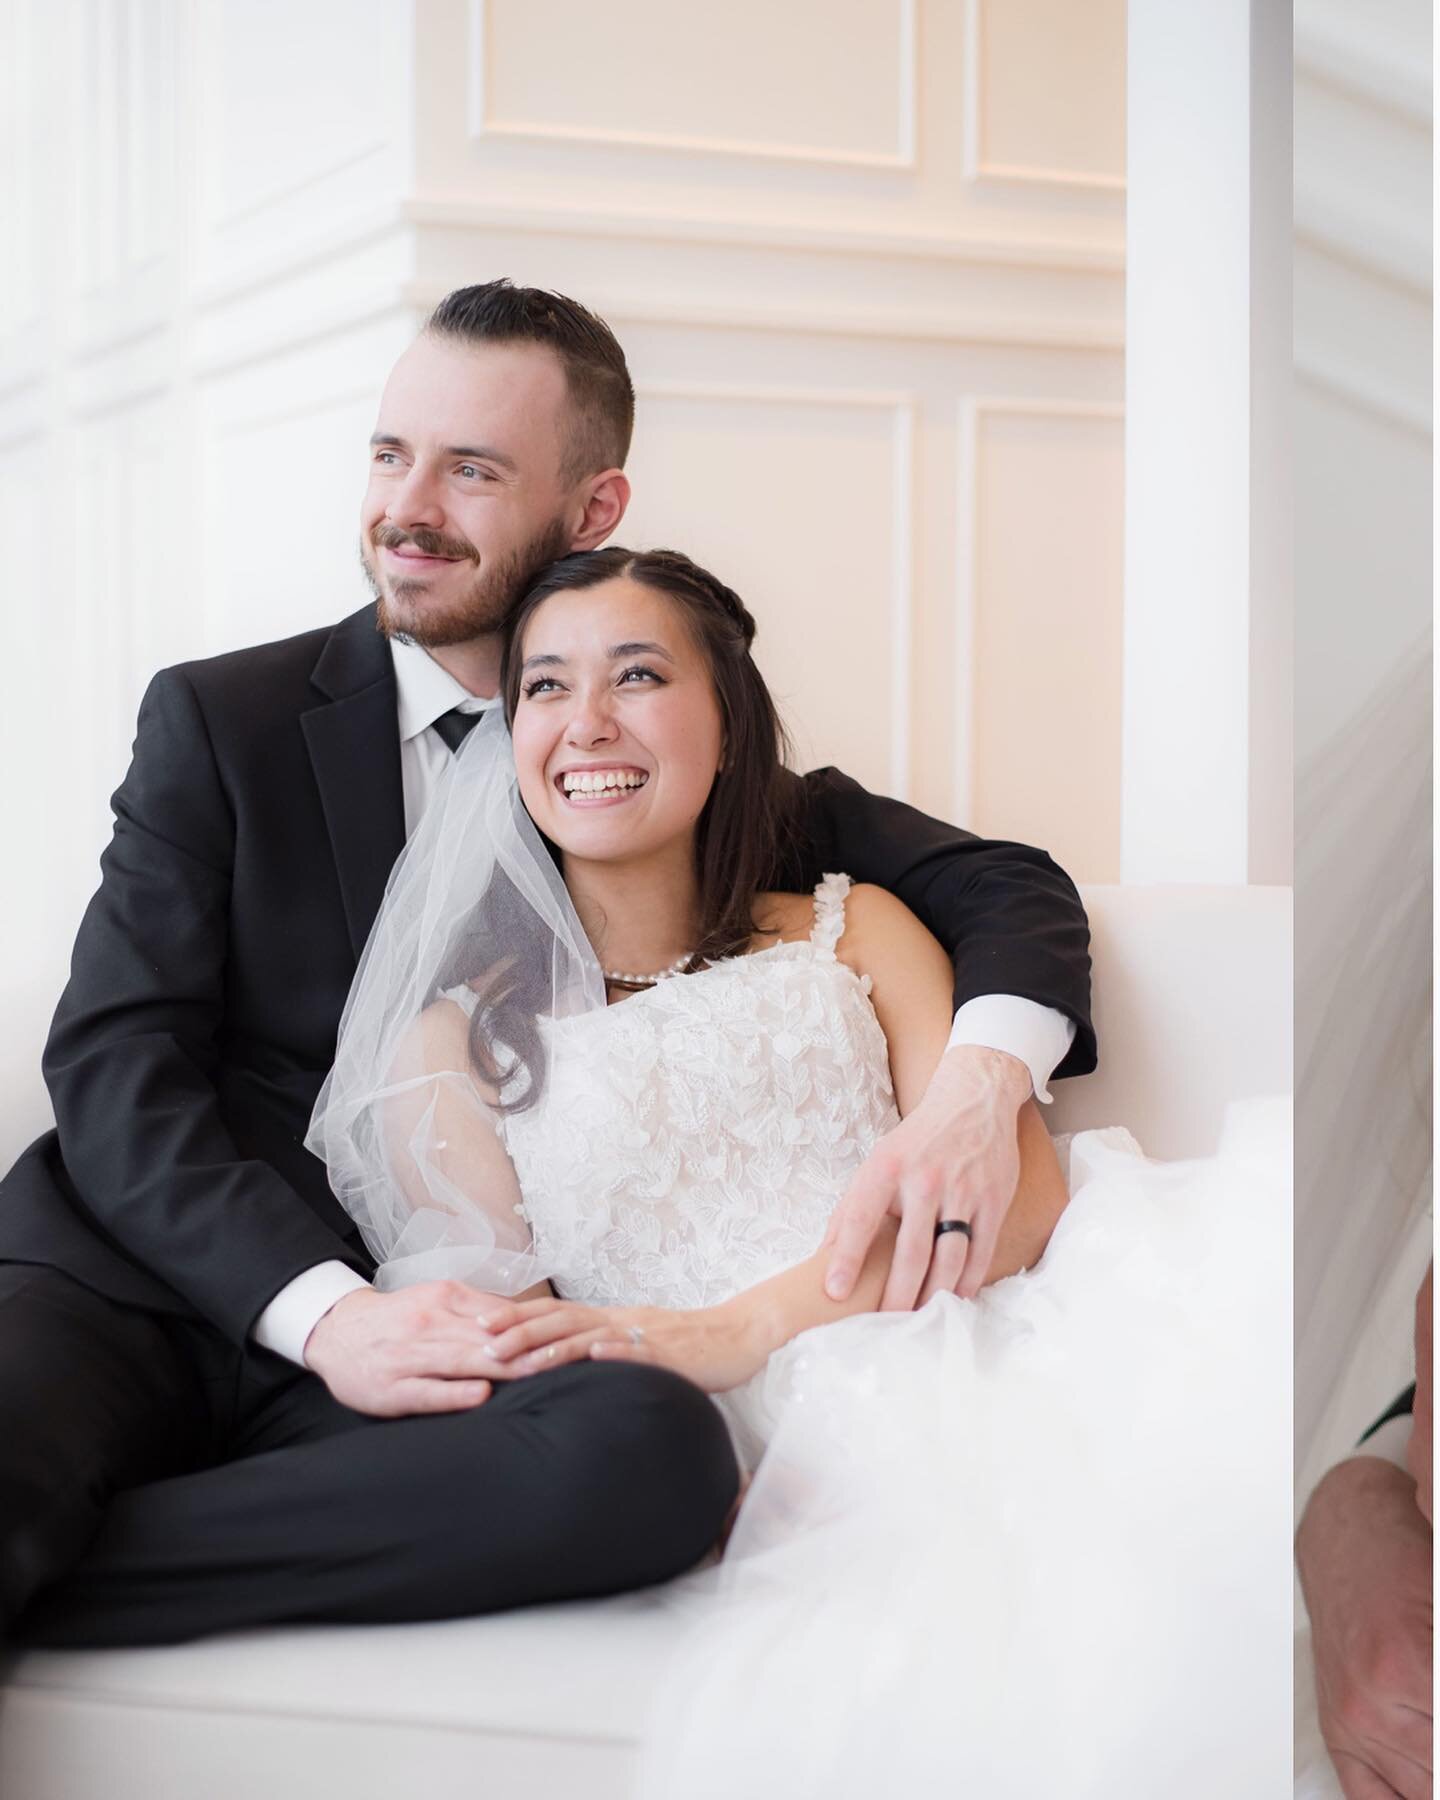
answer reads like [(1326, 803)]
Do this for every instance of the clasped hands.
[(439, 1346)]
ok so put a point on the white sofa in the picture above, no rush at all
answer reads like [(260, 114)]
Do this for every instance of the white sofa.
[(1193, 1009)]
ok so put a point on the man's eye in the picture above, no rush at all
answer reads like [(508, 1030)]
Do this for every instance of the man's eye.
[(385, 456), (472, 473)]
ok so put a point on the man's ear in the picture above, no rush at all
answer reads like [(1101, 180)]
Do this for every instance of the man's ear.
[(604, 507)]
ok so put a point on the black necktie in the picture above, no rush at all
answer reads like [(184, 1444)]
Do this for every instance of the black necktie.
[(455, 726)]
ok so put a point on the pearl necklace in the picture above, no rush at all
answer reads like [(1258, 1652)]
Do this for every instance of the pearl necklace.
[(678, 967)]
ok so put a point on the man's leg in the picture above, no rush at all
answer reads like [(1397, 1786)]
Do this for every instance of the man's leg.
[(592, 1480), (94, 1397)]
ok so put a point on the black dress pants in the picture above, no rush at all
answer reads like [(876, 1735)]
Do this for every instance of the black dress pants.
[(157, 1484)]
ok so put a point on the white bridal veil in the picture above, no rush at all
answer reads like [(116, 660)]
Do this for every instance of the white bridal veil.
[(476, 950)]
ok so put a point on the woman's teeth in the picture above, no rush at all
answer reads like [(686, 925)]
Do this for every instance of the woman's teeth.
[(603, 781)]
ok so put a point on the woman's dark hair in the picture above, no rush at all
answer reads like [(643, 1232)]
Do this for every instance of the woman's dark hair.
[(750, 815), (740, 832)]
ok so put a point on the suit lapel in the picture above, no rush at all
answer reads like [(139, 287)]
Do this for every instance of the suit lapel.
[(354, 743)]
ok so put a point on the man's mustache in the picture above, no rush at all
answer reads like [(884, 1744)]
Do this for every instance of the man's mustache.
[(427, 542)]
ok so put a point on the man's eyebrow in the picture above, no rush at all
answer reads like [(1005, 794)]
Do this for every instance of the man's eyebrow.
[(476, 452)]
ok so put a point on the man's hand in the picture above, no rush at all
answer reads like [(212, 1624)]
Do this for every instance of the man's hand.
[(955, 1157), (1364, 1554), (422, 1349), (1421, 1455)]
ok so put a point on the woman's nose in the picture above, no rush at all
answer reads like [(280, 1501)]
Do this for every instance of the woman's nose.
[(592, 722)]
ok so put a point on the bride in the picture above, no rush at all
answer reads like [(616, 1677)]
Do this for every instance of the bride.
[(592, 1064)]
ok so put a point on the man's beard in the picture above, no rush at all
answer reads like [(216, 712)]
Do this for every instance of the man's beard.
[(484, 604)]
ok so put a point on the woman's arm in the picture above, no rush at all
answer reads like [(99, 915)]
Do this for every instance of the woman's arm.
[(718, 1347)]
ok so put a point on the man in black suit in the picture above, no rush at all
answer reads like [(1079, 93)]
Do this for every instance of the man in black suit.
[(1365, 1551), (211, 1419)]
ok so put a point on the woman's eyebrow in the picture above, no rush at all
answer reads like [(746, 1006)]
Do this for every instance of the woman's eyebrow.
[(638, 649)]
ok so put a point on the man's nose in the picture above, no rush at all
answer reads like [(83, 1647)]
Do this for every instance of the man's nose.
[(416, 501)]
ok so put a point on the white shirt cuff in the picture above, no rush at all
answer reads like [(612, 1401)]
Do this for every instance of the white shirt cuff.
[(1038, 1035), (299, 1307), (1390, 1442)]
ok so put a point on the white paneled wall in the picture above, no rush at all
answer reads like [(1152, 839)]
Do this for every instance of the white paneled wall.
[(866, 257)]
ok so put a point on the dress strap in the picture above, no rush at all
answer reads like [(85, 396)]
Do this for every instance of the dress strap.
[(829, 924)]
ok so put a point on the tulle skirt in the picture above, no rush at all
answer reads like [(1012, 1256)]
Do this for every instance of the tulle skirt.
[(1035, 1545)]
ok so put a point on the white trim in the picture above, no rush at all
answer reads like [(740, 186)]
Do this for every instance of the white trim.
[(484, 124), (815, 235), (854, 321)]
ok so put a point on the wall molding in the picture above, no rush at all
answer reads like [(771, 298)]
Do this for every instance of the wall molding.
[(485, 125), (902, 598), (970, 412), (975, 166), (839, 321), (815, 235)]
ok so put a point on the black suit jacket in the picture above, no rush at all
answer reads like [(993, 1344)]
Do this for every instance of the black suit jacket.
[(254, 833)]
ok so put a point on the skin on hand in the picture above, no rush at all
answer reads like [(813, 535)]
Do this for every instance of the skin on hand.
[(955, 1156), (716, 1347), (1422, 1435), (418, 1350), (1364, 1553)]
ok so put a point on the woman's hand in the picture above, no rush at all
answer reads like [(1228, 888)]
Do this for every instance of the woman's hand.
[(716, 1347)]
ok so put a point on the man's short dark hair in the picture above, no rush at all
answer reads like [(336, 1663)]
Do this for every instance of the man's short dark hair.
[(602, 399)]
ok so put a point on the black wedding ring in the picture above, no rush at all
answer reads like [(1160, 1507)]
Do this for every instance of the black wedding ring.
[(954, 1225)]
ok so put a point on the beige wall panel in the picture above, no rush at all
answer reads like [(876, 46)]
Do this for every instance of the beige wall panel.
[(1046, 561), (1038, 117), (811, 79), (800, 503)]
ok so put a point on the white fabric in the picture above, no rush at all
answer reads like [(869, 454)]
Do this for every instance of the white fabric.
[(286, 1323), (1038, 1035), (692, 1140), (409, 1120), (1363, 1088)]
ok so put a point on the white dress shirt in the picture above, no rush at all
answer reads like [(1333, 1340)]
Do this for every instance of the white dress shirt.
[(1038, 1035)]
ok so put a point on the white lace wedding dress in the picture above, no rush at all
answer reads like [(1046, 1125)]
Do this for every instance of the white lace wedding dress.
[(1034, 1545)]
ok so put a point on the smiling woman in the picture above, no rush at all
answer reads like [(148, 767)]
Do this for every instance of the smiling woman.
[(656, 679)]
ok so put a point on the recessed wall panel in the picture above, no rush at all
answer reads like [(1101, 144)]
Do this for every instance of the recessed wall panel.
[(1045, 670), (807, 79)]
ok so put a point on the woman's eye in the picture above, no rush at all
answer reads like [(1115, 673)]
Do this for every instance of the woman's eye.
[(639, 669), (541, 682)]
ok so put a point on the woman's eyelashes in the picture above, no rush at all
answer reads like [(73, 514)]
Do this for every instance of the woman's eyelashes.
[(540, 685)]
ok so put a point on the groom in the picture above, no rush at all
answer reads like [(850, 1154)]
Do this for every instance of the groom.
[(211, 1420)]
